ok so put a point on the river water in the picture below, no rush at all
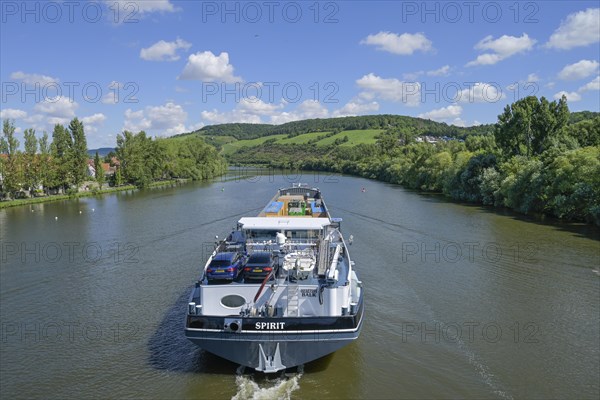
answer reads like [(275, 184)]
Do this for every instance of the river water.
[(461, 302)]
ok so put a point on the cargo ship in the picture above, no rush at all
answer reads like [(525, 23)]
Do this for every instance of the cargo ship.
[(279, 291)]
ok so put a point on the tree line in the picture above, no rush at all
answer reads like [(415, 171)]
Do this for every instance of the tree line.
[(420, 126), (540, 158), (58, 165)]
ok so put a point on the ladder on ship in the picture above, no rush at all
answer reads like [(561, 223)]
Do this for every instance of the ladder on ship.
[(293, 304), (323, 257)]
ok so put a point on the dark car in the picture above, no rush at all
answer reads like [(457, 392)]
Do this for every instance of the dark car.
[(225, 266), (259, 265)]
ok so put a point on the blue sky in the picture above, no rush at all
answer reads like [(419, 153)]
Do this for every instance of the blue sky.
[(169, 67)]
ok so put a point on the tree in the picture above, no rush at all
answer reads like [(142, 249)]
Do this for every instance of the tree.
[(61, 150), (548, 123), (117, 177), (141, 158), (587, 132), (513, 131), (46, 171), (529, 126), (387, 141), (99, 170), (79, 152), (12, 177), (31, 162), (108, 158)]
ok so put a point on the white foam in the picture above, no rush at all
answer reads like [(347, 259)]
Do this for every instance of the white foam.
[(277, 389)]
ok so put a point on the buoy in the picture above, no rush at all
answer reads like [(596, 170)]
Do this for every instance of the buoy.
[(93, 209), (56, 218), (79, 211), (222, 189)]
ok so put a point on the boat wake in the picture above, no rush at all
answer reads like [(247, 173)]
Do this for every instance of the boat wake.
[(280, 388)]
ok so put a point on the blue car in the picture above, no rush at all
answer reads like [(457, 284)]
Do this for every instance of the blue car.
[(225, 266)]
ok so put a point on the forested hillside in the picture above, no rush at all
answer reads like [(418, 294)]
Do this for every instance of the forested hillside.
[(417, 125), (539, 158)]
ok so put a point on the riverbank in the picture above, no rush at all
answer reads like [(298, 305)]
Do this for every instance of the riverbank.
[(560, 183), (47, 199)]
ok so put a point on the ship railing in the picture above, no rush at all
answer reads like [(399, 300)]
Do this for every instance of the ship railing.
[(290, 245)]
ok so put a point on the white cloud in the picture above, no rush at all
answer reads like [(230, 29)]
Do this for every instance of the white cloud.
[(58, 120), (35, 119), (404, 44), (113, 93), (501, 48), (308, 109), (58, 108), (168, 119), (236, 115), (480, 92), (118, 92), (95, 119), (356, 107), (195, 127), (164, 51), (205, 66), (32, 79), (389, 89), (571, 96), (254, 105), (443, 71), (91, 122), (533, 78), (413, 76), (579, 29), (142, 7), (249, 110), (12, 113), (253, 111), (458, 122), (442, 114), (579, 70), (590, 86)]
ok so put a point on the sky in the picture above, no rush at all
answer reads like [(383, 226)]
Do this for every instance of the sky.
[(168, 67)]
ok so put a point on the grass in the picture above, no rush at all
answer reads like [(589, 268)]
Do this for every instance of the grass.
[(233, 146), (366, 136), (37, 200), (302, 139), (355, 137), (219, 140)]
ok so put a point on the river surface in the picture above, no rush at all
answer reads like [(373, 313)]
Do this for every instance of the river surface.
[(461, 302)]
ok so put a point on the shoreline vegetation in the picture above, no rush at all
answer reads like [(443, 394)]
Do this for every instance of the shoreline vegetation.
[(88, 193), (538, 159), (62, 169)]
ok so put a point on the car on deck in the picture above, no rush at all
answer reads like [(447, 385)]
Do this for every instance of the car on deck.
[(259, 265), (225, 266)]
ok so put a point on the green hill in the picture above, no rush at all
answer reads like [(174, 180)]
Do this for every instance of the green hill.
[(345, 132), (366, 122)]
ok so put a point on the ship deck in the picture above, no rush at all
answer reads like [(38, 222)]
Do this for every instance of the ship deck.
[(296, 202)]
